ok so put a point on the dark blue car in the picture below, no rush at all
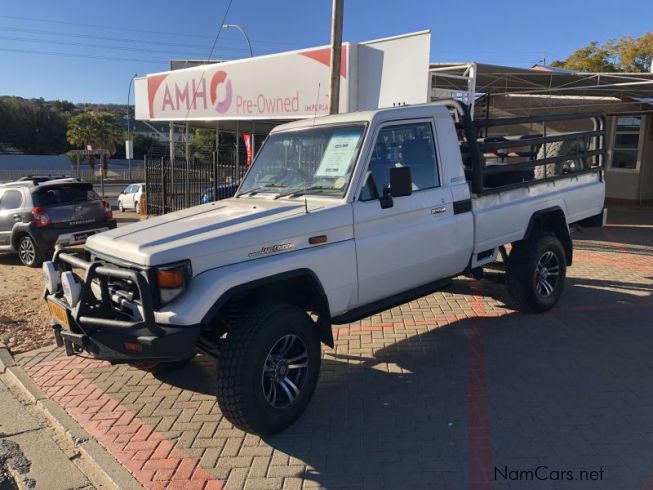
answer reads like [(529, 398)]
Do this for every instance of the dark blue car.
[(224, 191)]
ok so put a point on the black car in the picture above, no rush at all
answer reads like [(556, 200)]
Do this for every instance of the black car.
[(36, 218)]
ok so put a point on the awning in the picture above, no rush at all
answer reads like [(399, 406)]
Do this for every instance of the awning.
[(495, 79)]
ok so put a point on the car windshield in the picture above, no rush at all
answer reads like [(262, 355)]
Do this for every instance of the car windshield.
[(319, 160)]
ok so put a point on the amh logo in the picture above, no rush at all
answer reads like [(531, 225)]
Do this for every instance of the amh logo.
[(220, 78)]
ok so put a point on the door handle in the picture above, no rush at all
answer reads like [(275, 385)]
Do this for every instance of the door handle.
[(439, 210)]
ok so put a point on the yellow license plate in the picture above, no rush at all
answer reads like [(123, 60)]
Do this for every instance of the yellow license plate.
[(59, 314)]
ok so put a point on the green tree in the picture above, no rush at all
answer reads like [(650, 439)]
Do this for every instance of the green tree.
[(635, 55), (592, 58), (628, 54), (34, 126), (203, 143), (142, 146), (99, 130)]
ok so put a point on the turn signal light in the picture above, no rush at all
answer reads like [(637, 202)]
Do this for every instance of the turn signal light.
[(133, 346), (171, 278)]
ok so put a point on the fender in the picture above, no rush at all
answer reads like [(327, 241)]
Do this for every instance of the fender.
[(18, 229), (553, 217), (304, 274), (264, 281), (332, 264)]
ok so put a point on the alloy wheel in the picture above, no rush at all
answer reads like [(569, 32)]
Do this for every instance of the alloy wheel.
[(284, 371), (547, 273), (27, 251)]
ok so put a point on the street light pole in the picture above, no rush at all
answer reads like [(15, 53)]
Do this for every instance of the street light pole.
[(336, 58), (129, 159), (236, 26)]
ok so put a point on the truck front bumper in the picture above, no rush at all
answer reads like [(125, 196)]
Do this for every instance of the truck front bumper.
[(104, 331)]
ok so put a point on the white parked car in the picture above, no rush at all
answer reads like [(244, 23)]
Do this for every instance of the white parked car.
[(131, 197), (339, 217)]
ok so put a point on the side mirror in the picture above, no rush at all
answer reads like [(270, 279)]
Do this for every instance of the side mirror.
[(401, 184)]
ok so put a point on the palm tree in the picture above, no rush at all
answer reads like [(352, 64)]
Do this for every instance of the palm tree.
[(99, 130)]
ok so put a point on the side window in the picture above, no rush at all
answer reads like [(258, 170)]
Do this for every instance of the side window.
[(406, 145), (11, 199), (129, 189)]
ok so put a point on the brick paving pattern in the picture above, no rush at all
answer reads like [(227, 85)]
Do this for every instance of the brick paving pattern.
[(431, 394)]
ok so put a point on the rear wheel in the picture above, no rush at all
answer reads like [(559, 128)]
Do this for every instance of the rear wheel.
[(536, 272), (136, 206), (268, 368), (29, 253)]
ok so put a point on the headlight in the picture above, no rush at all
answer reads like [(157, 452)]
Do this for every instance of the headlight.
[(72, 289), (51, 276), (172, 280)]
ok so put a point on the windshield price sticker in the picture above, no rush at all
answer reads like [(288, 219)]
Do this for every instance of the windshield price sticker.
[(338, 154)]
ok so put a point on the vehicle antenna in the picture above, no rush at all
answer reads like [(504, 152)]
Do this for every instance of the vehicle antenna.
[(317, 101)]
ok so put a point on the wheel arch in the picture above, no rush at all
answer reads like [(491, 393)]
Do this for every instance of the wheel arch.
[(301, 287), (19, 231), (552, 220)]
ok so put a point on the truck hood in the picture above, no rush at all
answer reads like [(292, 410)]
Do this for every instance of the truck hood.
[(225, 232)]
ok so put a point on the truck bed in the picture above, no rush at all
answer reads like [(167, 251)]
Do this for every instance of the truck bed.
[(503, 217), (531, 164)]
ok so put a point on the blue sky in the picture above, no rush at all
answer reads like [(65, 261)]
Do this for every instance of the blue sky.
[(87, 51)]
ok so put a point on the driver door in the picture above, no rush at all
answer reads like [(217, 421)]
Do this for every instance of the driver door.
[(411, 243)]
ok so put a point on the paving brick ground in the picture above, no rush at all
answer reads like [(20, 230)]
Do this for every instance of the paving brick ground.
[(432, 394)]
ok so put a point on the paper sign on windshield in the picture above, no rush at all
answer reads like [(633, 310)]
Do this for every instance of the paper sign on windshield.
[(338, 154)]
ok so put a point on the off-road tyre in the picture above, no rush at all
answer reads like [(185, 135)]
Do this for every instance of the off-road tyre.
[(524, 273), (241, 379)]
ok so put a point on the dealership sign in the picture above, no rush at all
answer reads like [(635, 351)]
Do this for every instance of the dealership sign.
[(291, 85), (285, 86)]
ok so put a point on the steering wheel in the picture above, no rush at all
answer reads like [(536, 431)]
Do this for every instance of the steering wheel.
[(287, 176)]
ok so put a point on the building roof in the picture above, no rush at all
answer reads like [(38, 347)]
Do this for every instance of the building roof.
[(496, 79)]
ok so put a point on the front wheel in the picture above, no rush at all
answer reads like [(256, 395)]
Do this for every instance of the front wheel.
[(268, 368), (536, 272), (121, 208)]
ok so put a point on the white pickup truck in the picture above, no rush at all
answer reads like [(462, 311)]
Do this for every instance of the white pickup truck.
[(338, 218)]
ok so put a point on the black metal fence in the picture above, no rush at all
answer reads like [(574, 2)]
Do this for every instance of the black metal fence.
[(174, 184)]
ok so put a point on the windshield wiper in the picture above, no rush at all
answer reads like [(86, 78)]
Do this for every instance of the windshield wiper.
[(306, 190), (258, 189)]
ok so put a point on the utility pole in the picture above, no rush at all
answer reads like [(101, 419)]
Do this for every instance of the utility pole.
[(336, 58)]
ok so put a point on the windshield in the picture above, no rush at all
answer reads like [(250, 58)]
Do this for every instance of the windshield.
[(319, 160)]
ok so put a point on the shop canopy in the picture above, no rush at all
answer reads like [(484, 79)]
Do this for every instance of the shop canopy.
[(539, 80)]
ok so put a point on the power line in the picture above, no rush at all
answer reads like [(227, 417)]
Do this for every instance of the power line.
[(134, 29), (99, 46), (76, 55), (100, 26), (208, 58), (93, 36)]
